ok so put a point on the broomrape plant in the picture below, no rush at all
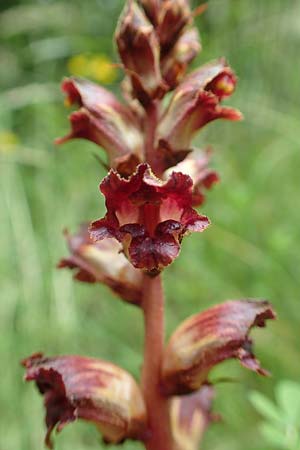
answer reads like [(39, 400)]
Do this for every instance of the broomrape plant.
[(155, 183)]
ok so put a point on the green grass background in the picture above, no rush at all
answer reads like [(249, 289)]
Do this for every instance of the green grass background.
[(251, 250)]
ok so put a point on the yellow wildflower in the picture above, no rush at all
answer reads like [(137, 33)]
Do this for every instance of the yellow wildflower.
[(8, 141), (98, 67)]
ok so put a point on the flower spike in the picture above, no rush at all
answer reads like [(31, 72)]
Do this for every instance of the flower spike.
[(148, 216), (102, 262), (76, 387), (208, 338)]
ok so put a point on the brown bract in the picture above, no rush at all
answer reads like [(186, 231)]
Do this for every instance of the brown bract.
[(105, 121), (196, 166), (102, 262), (76, 387), (208, 338), (139, 50), (190, 416), (148, 216), (196, 102)]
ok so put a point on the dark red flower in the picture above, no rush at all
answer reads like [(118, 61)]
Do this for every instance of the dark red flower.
[(148, 216), (107, 122), (196, 102), (102, 262), (196, 166), (208, 338), (75, 387)]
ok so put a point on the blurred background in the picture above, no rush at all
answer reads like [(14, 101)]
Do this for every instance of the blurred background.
[(252, 249)]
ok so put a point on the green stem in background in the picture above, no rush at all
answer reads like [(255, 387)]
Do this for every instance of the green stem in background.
[(160, 437)]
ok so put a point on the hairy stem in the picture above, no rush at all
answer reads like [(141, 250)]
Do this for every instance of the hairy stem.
[(160, 437)]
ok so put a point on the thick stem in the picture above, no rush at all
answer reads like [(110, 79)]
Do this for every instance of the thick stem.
[(160, 437), (152, 158)]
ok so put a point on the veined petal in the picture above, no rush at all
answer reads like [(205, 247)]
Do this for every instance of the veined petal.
[(196, 102), (148, 216), (102, 262), (190, 416), (139, 51), (76, 387), (208, 338), (107, 122)]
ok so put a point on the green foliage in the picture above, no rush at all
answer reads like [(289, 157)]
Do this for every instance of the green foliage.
[(251, 250), (281, 427)]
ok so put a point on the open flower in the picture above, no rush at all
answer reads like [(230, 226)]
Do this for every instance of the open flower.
[(148, 216), (208, 338), (196, 166), (104, 263), (107, 122), (139, 51), (196, 102), (190, 416), (75, 387)]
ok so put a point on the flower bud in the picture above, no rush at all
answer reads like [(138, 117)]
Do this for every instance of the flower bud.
[(173, 16), (76, 387), (103, 262), (208, 338), (105, 121), (140, 53), (175, 63)]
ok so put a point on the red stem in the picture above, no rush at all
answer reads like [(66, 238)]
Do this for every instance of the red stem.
[(150, 129), (160, 437)]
